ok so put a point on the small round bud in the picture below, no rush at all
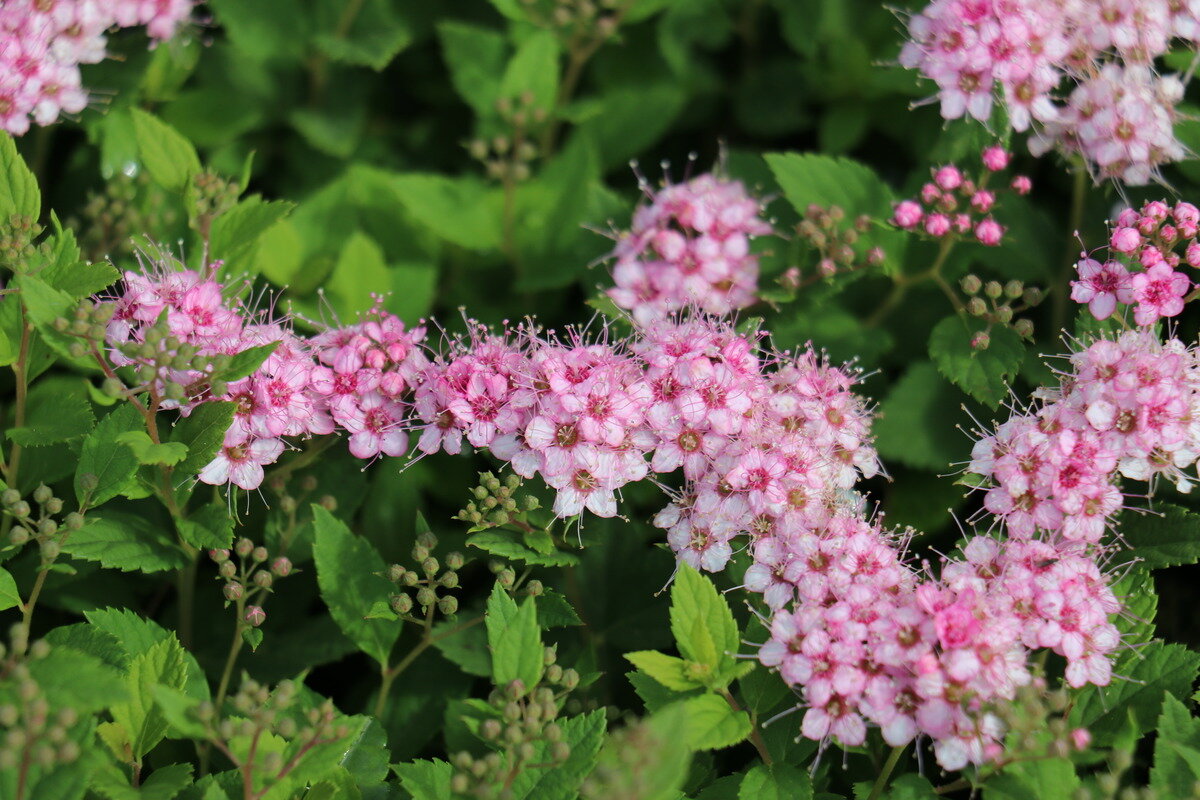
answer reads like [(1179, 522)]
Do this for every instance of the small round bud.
[(515, 689), (981, 341), (554, 673), (560, 751), (401, 604), (454, 560), (1004, 314), (993, 289), (254, 616), (570, 679), (47, 527), (448, 605), (281, 567), (263, 579), (976, 307), (39, 649), (490, 729), (328, 502), (50, 550), (243, 547), (429, 566), (53, 506), (971, 284), (73, 521), (426, 597), (259, 554), (395, 573), (20, 509), (233, 591), (449, 580), (1024, 328), (507, 578), (534, 588), (227, 570), (1033, 296), (42, 493), (18, 536), (460, 783), (10, 497), (112, 387), (286, 727), (308, 483), (1014, 289)]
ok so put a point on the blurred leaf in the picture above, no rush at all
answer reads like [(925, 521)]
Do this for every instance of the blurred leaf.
[(533, 71), (1054, 777), (265, 29), (1174, 773), (236, 232), (58, 411), (167, 156), (9, 596), (69, 678), (670, 671), (712, 724), (147, 452), (19, 193), (983, 374), (455, 209), (203, 431), (374, 37), (475, 57), (360, 273), (624, 122), (777, 782), (144, 724), (916, 421)]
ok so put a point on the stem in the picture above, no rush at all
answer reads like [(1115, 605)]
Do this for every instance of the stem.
[(755, 736), (1078, 204), (389, 674), (20, 374), (234, 649), (186, 584), (903, 282), (27, 610), (885, 773)]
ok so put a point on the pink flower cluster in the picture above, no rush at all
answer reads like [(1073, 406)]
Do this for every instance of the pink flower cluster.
[(1120, 114), (952, 204), (689, 247), (1157, 239), (43, 42)]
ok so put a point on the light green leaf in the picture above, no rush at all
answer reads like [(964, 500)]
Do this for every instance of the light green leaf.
[(202, 431), (61, 678), (236, 232), (426, 780), (454, 209), (177, 708), (659, 755), (113, 464), (349, 574), (703, 624), (124, 542), (143, 722), (777, 782), (246, 362), (533, 70), (374, 38), (467, 648), (9, 596), (358, 276), (167, 156), (147, 452), (19, 193), (983, 374), (670, 671), (712, 724), (912, 787), (500, 543), (475, 57), (584, 734), (1173, 774), (1046, 778), (514, 640)]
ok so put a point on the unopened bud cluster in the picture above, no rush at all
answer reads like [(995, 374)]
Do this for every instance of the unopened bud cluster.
[(508, 157), (425, 585), (111, 217), (998, 304), (584, 23), (88, 324), (495, 503), (627, 768), (258, 710), (1037, 724), (32, 731), (249, 573), (838, 242), (47, 526), (210, 196), (522, 730), (17, 236)]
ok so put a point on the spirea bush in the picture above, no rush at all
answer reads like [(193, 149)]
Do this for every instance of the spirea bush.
[(634, 399)]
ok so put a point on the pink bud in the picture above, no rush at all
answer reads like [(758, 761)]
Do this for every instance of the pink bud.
[(908, 214), (875, 256), (1125, 240), (1127, 218), (948, 178), (989, 232), (1147, 225), (1150, 256), (1168, 233), (1156, 209), (930, 194), (937, 224), (827, 267), (790, 279), (1021, 184), (982, 201), (1193, 255), (1186, 214), (1081, 738), (995, 158), (255, 616)]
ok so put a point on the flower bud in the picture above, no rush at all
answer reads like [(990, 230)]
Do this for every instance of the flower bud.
[(20, 509), (560, 751), (515, 689), (47, 527), (1004, 314), (281, 567), (263, 579), (286, 727), (448, 605), (259, 554), (10, 497), (254, 616), (73, 521), (534, 588), (401, 604), (53, 506), (993, 289), (570, 679), (976, 307), (233, 591), (426, 597), (981, 341), (507, 578), (1024, 328), (18, 536), (490, 729), (395, 573), (449, 580), (971, 284), (42, 493), (429, 566), (50, 550), (243, 547), (227, 570)]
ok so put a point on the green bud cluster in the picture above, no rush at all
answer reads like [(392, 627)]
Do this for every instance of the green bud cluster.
[(48, 526), (582, 25), (838, 243), (508, 157), (495, 503), (248, 574), (627, 764), (999, 304), (32, 729), (424, 586), (124, 208), (522, 730), (17, 236), (209, 196)]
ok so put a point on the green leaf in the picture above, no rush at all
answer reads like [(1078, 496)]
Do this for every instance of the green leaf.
[(912, 787), (584, 734), (9, 596), (659, 755), (236, 232), (349, 574), (1168, 536), (202, 431), (467, 648), (252, 637), (58, 411), (143, 722), (112, 463), (90, 640), (426, 780), (373, 39), (500, 543), (167, 156), (808, 179), (177, 709), (1148, 672), (533, 70), (627, 121), (915, 425), (554, 611), (777, 782), (1045, 778), (69, 677), (360, 272), (163, 784), (1173, 774), (702, 623), (983, 374), (207, 528), (124, 542), (475, 58), (712, 724), (19, 193), (456, 210), (147, 452), (670, 671), (246, 363), (514, 639)]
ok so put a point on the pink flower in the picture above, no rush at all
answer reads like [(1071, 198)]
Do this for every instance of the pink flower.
[(1159, 293), (1125, 240), (240, 460), (1101, 286)]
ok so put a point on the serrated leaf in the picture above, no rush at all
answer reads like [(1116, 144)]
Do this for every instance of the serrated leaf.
[(69, 677), (1149, 673), (426, 780), (9, 596), (712, 724), (19, 193), (349, 574), (554, 611), (202, 431), (1045, 778), (208, 527), (475, 57), (168, 157), (777, 782), (1168, 536), (702, 623), (113, 464), (584, 734), (1173, 773), (124, 542), (147, 452), (246, 363), (533, 70), (236, 232), (500, 543), (90, 640), (912, 787), (144, 723), (252, 637), (670, 671), (983, 374), (514, 639), (58, 411)]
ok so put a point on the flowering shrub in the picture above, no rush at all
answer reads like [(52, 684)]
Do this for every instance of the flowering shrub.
[(336, 465)]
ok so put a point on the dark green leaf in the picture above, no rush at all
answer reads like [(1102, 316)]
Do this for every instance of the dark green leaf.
[(1172, 774), (1148, 673), (500, 543), (9, 596), (426, 780), (1168, 536), (124, 542), (777, 782), (202, 431), (983, 374), (113, 464), (475, 57), (208, 527), (58, 411)]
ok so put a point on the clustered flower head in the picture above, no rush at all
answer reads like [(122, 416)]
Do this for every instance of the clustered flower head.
[(1155, 241), (955, 205), (1081, 72), (43, 42), (689, 247)]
